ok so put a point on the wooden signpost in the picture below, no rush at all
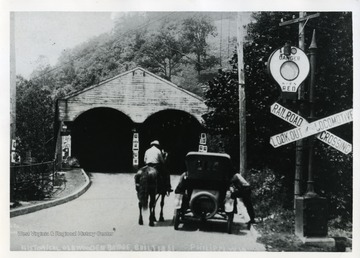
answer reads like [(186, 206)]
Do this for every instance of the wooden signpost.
[(315, 127), (298, 121)]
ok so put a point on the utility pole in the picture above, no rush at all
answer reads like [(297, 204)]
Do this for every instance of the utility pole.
[(242, 100), (299, 152)]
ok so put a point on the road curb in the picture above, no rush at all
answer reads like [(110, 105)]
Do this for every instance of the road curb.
[(52, 203), (254, 233)]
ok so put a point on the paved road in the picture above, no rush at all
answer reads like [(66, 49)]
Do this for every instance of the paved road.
[(105, 218)]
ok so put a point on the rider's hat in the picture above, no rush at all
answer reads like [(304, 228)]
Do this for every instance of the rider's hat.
[(156, 142)]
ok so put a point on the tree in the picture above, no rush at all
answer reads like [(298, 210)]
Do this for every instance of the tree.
[(196, 30), (163, 52), (264, 36), (222, 121), (34, 120)]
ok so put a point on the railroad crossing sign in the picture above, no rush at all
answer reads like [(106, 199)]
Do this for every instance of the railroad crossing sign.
[(309, 129), (289, 68), (296, 120)]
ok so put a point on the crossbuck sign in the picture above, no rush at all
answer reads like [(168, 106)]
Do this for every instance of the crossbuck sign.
[(313, 128), (296, 120)]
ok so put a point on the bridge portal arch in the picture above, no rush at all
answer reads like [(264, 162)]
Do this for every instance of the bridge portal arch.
[(178, 133), (109, 125)]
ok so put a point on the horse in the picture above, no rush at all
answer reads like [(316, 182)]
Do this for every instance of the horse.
[(149, 183)]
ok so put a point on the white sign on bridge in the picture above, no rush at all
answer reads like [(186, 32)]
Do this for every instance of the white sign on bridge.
[(315, 127), (296, 120)]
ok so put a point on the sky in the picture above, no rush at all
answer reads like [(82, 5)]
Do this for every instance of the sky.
[(41, 37), (47, 34)]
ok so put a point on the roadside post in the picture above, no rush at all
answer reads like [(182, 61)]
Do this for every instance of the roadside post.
[(241, 32), (300, 145), (311, 214)]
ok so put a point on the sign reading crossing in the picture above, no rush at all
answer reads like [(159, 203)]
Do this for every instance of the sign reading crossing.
[(335, 142), (312, 128), (296, 120)]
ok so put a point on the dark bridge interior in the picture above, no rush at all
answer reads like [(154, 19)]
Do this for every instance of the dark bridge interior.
[(178, 133), (102, 139)]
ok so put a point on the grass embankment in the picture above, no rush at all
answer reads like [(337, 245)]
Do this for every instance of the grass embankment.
[(277, 234)]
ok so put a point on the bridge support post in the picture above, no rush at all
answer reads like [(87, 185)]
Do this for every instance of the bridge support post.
[(135, 150), (63, 146)]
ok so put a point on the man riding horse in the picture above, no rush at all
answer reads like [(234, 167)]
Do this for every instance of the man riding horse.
[(152, 179), (155, 158)]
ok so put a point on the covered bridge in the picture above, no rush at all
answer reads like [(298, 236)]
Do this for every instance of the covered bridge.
[(109, 126)]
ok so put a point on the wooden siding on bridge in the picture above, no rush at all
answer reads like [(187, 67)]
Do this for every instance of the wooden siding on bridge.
[(136, 93)]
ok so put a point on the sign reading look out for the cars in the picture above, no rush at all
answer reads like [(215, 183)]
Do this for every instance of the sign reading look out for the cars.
[(296, 120), (315, 127), (289, 70)]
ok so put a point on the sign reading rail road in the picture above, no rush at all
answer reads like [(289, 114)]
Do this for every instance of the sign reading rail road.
[(296, 120), (315, 127), (286, 114)]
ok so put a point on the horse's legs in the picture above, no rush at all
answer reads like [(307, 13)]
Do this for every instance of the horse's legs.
[(141, 222), (154, 213), (152, 209), (161, 208)]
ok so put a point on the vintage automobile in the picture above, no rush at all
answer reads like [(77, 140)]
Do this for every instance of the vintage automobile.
[(203, 190)]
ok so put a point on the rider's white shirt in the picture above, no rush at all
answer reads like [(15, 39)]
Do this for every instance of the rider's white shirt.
[(153, 155)]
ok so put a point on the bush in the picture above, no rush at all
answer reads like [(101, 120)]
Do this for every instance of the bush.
[(281, 221), (31, 186), (269, 195), (32, 182)]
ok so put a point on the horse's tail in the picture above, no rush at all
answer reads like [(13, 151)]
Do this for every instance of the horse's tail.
[(143, 193)]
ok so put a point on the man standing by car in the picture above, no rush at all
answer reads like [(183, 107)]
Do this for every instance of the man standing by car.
[(155, 157), (240, 188)]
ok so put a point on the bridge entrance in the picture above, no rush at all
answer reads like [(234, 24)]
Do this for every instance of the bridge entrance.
[(102, 140), (109, 126), (178, 133)]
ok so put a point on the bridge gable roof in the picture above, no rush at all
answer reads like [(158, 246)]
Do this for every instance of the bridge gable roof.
[(137, 93)]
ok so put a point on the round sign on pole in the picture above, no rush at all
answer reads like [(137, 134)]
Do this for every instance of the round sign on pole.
[(289, 70)]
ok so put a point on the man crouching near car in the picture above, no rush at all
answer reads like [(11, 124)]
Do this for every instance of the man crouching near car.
[(240, 188)]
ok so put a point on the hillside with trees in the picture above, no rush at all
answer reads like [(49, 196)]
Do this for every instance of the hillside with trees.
[(176, 46)]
